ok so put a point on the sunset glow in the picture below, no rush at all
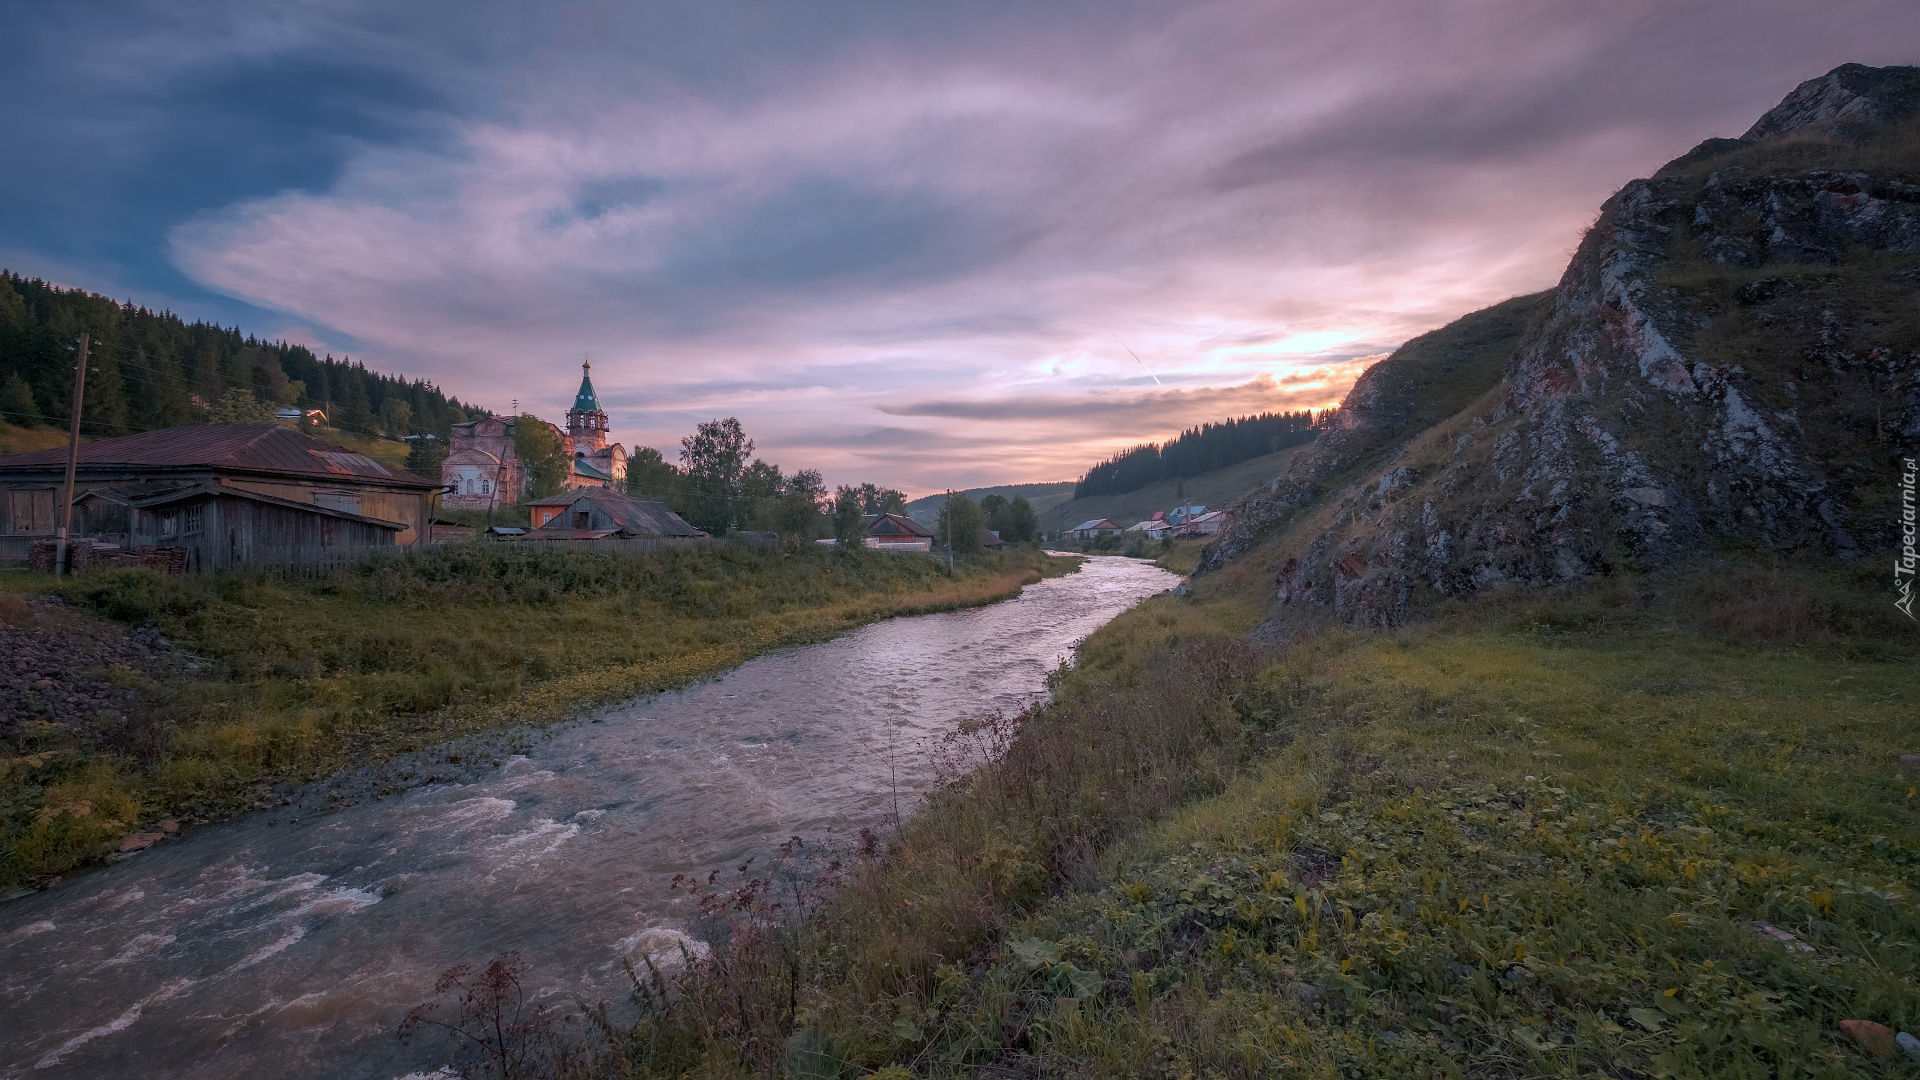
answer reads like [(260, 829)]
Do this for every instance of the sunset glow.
[(926, 246)]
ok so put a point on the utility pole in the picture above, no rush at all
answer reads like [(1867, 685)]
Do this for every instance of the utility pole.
[(949, 532), (62, 554)]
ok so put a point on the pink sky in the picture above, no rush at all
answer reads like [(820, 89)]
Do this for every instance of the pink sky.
[(914, 244)]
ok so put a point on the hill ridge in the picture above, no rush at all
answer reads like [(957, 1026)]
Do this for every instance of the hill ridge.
[(1712, 369)]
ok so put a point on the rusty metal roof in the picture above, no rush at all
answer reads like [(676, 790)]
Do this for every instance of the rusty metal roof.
[(879, 525), (638, 517), (221, 491), (254, 448)]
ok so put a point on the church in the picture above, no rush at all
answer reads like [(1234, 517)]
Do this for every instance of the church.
[(481, 470)]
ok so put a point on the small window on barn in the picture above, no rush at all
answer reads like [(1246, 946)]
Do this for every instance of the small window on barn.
[(190, 519), (169, 523), (582, 519), (348, 501)]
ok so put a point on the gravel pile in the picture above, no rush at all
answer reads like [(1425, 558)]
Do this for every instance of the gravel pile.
[(58, 667)]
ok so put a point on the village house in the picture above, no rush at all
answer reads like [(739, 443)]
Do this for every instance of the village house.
[(293, 418), (222, 494), (1155, 527), (1091, 530), (897, 532), (481, 470), (597, 513)]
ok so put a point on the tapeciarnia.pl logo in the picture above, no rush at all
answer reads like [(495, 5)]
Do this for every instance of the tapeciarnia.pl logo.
[(1903, 567)]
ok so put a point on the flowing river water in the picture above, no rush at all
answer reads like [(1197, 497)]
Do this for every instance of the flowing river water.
[(263, 947)]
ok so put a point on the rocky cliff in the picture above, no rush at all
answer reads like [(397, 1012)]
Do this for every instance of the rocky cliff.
[(1732, 359)]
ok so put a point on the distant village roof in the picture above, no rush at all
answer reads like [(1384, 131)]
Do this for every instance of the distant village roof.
[(586, 400), (583, 467), (641, 517), (1096, 523), (565, 498), (251, 448), (894, 525)]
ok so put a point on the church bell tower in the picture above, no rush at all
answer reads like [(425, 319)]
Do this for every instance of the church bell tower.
[(586, 423)]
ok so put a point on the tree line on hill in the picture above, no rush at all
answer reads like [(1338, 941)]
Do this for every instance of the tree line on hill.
[(1201, 450), (149, 370)]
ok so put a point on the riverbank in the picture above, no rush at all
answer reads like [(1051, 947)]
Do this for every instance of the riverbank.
[(1647, 827), (271, 682)]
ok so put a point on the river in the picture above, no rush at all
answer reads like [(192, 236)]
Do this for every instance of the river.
[(264, 947)]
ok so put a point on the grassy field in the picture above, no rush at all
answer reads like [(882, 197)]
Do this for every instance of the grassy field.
[(25, 440), (1212, 490), (301, 679), (1530, 838), (1059, 510), (1182, 556), (386, 451)]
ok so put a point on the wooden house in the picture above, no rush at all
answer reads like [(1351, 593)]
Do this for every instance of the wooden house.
[(227, 494), (541, 511), (597, 514), (897, 532)]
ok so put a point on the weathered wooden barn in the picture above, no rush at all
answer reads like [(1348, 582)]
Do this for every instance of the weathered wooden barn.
[(227, 494)]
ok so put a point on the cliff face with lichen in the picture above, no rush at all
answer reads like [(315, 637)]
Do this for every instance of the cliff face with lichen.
[(1731, 359)]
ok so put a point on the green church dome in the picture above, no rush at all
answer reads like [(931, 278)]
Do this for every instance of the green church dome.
[(586, 400)]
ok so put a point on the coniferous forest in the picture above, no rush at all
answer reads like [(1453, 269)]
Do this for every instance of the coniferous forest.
[(1201, 450), (151, 370)]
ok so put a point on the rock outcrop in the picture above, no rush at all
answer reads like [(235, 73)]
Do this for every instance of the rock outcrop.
[(1731, 358)]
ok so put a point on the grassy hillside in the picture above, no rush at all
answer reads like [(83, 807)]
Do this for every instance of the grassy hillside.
[(1044, 497), (26, 440), (1212, 490), (1532, 838), (298, 679), (1057, 509), (386, 451)]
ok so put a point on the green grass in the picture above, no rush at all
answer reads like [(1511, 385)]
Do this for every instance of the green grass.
[(1495, 852), (1182, 556), (304, 678), (15, 439), (1528, 838), (384, 450), (1212, 490)]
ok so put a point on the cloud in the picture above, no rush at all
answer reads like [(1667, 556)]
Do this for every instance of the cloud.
[(906, 242), (1154, 411)]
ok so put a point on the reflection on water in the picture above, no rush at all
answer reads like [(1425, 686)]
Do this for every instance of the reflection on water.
[(293, 950)]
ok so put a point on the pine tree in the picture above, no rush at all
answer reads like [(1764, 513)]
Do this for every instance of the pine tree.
[(16, 402), (355, 411), (149, 370)]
